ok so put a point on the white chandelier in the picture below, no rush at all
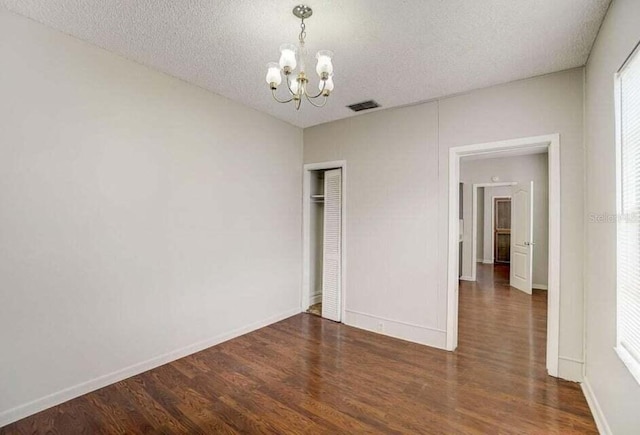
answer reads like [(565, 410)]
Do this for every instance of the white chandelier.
[(292, 56)]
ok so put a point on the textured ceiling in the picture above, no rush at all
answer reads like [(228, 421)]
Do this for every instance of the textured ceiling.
[(396, 52)]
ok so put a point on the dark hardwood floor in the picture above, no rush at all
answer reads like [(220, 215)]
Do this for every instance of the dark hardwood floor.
[(310, 375)]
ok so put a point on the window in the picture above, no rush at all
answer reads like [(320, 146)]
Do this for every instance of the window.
[(628, 223)]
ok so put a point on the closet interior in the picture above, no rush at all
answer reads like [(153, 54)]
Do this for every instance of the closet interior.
[(317, 230)]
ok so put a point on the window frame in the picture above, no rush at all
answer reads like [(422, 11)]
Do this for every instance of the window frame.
[(630, 361)]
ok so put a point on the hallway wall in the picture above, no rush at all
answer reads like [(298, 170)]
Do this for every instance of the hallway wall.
[(521, 169)]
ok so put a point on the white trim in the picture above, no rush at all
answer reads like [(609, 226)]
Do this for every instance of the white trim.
[(487, 261), (571, 369), (306, 229), (30, 408), (629, 361), (596, 410), (555, 211), (540, 286), (315, 299), (474, 225), (551, 141), (474, 233), (401, 322), (454, 255), (412, 332), (467, 278)]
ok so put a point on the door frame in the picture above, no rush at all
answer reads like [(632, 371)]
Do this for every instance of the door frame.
[(552, 143), (474, 223), (493, 222), (306, 230)]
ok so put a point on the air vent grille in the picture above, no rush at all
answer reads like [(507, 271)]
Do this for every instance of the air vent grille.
[(365, 105)]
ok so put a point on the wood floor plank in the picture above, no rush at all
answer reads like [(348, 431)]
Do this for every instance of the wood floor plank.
[(157, 416), (310, 375)]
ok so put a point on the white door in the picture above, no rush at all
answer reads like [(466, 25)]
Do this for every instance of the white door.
[(332, 245), (522, 236)]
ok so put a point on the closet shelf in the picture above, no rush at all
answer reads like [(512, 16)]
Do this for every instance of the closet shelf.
[(317, 196)]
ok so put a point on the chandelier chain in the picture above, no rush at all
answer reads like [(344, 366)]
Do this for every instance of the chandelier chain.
[(303, 33)]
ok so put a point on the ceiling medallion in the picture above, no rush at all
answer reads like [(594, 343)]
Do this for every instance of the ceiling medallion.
[(292, 56)]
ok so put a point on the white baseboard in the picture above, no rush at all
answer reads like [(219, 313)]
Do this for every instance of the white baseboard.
[(466, 278), (540, 286), (485, 261), (315, 299), (30, 408), (405, 331), (596, 410), (570, 369)]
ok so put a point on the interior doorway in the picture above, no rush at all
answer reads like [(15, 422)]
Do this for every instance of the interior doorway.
[(516, 244), (523, 193), (482, 218), (324, 241), (502, 229)]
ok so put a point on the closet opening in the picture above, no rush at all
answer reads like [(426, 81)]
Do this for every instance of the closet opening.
[(316, 239), (323, 240)]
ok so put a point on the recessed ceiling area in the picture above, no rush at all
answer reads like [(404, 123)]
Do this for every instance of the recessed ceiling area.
[(395, 52)]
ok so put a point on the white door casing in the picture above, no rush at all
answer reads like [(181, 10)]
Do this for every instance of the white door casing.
[(522, 237), (332, 246), (552, 143)]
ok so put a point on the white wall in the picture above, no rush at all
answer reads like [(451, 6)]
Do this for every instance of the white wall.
[(615, 390), (520, 169), (141, 218), (391, 182), (398, 201)]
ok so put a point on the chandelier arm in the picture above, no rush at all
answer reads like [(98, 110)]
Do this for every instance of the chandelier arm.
[(324, 85), (289, 85), (314, 104), (273, 92)]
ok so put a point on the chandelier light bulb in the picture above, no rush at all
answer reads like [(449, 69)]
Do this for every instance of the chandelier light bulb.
[(273, 74), (324, 64), (287, 57), (326, 85), (295, 85)]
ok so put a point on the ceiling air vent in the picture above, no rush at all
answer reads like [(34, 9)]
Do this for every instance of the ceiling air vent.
[(365, 105)]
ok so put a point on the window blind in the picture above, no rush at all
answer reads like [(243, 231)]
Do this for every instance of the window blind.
[(628, 224)]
